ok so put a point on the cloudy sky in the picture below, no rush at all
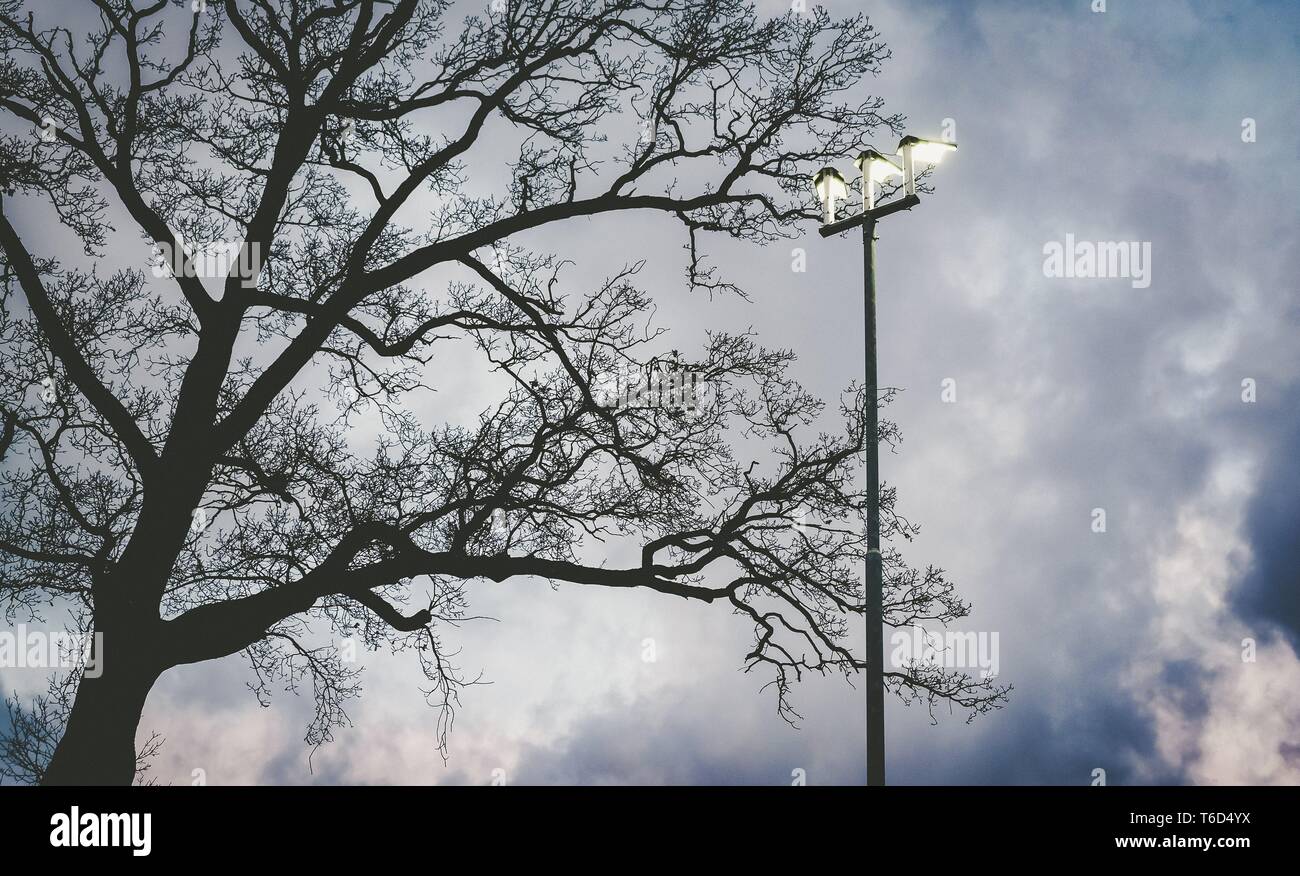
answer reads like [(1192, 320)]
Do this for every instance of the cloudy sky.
[(1124, 646)]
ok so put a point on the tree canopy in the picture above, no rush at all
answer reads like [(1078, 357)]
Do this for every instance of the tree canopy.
[(198, 469)]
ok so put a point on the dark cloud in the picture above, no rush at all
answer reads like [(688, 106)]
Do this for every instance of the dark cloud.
[(1269, 594), (684, 738), (680, 738)]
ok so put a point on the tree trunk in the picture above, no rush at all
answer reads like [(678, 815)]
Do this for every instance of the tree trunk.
[(98, 746)]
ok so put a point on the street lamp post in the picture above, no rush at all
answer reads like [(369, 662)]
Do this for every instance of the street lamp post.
[(829, 185)]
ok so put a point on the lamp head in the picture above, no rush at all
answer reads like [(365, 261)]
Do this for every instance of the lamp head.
[(928, 151), (915, 149), (875, 167), (829, 185)]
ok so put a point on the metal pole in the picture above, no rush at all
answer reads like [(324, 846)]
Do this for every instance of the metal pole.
[(875, 679)]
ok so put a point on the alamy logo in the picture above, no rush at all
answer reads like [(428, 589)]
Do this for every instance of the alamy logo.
[(217, 259), (949, 649), (77, 829), (664, 384), (22, 648), (1102, 260)]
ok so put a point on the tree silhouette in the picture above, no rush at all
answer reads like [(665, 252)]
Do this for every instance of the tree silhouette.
[(197, 470)]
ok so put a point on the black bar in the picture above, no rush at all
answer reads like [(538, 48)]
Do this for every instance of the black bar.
[(938, 826)]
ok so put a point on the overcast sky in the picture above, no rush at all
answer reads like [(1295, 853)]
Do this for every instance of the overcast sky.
[(1125, 646)]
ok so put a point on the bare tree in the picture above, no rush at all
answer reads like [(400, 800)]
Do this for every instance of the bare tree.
[(195, 472)]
